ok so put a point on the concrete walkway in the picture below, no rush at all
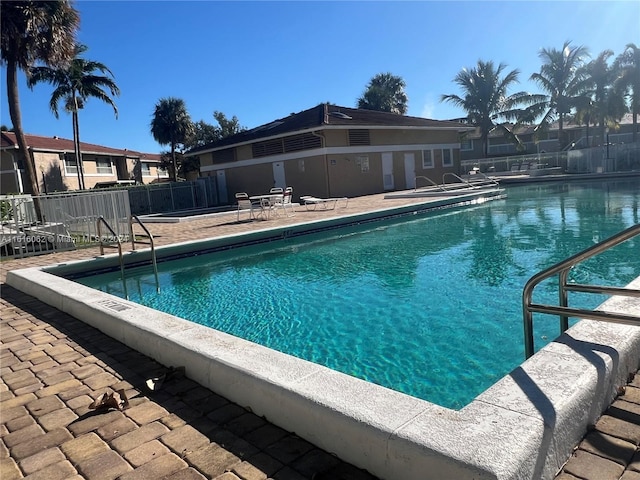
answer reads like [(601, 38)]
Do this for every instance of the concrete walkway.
[(53, 366)]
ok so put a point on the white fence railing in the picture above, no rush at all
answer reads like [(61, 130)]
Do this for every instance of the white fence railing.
[(618, 157)]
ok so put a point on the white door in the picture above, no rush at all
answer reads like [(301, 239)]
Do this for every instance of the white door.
[(410, 170), (221, 183), (387, 171), (278, 175)]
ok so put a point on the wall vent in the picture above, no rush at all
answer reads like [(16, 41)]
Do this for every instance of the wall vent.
[(359, 137)]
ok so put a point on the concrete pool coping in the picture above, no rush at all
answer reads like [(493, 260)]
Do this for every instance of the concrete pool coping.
[(525, 426)]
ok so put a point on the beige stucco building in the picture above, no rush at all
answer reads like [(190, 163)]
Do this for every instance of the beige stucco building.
[(56, 168), (332, 151)]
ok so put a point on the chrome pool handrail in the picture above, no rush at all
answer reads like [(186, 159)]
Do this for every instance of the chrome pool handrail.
[(563, 310), (433, 184), (101, 221), (151, 243), (477, 184)]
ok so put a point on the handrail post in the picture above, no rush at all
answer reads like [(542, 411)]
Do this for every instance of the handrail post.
[(528, 333), (117, 237), (563, 297), (527, 315), (99, 232), (154, 260), (133, 238)]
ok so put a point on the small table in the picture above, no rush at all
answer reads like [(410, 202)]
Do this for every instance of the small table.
[(267, 203)]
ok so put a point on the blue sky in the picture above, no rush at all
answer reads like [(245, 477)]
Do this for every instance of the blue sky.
[(264, 60)]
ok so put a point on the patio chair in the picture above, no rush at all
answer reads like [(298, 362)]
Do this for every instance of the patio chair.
[(276, 190), (311, 203), (285, 201), (244, 203)]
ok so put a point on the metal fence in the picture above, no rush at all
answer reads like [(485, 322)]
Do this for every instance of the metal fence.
[(69, 220), (618, 157), (506, 164), (174, 196)]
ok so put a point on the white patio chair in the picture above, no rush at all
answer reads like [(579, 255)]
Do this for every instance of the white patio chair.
[(284, 202), (245, 204)]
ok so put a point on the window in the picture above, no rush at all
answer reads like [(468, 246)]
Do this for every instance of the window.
[(145, 169), (466, 145), (427, 159), (447, 158), (104, 166), (70, 166)]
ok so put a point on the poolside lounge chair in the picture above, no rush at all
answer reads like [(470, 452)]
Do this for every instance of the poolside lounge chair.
[(244, 203), (311, 203)]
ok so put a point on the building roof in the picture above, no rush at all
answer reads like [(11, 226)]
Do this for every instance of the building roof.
[(326, 116), (64, 145)]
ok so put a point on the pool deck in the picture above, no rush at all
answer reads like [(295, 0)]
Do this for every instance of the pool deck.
[(53, 366)]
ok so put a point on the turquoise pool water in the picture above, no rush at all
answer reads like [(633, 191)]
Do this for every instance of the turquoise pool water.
[(429, 305)]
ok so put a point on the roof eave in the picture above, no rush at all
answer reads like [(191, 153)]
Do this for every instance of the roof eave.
[(330, 127)]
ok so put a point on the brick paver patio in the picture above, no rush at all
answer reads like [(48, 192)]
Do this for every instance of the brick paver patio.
[(54, 366)]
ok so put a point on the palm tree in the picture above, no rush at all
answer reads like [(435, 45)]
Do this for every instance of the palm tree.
[(74, 84), (607, 105), (171, 125), (562, 77), (628, 63), (34, 31), (385, 93), (486, 99)]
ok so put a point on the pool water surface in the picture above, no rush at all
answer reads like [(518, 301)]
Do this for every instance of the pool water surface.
[(429, 305)]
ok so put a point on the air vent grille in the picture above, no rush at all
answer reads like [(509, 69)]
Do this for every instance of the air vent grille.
[(359, 137)]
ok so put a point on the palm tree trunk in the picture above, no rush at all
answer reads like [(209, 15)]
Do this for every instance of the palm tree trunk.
[(16, 119), (76, 143), (485, 145), (173, 162), (636, 112)]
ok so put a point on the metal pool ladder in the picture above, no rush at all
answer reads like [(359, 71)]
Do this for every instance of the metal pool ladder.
[(563, 310), (150, 243), (116, 237)]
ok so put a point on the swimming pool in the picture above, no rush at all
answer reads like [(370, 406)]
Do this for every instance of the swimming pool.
[(429, 306)]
